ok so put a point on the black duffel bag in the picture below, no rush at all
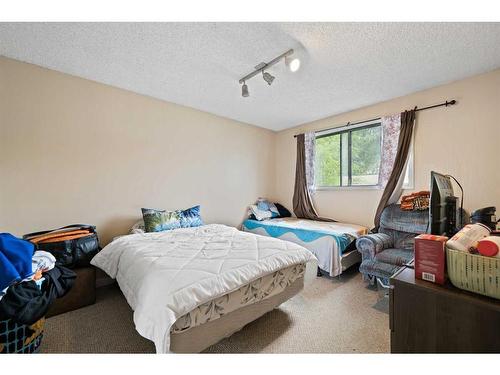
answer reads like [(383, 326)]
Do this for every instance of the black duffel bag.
[(73, 245)]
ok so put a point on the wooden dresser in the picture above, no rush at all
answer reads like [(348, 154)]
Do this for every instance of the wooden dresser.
[(429, 318)]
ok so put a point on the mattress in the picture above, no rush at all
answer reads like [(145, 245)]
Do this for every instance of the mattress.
[(326, 240), (256, 291), (167, 275)]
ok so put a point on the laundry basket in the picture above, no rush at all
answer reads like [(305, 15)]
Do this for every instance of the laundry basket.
[(475, 273), (20, 338)]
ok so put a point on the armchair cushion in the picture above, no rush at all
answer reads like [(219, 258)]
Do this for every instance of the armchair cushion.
[(397, 257), (401, 240), (377, 269), (372, 244), (393, 218)]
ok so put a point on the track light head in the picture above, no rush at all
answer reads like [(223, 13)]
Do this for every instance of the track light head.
[(293, 63), (268, 77), (244, 90)]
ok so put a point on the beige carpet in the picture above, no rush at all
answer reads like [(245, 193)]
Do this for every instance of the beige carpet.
[(329, 316)]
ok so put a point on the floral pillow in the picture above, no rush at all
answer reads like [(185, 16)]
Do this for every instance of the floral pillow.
[(160, 220), (191, 217), (138, 227)]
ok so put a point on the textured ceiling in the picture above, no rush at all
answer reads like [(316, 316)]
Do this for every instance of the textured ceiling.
[(344, 65)]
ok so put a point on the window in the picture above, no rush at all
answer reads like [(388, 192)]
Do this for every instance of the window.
[(349, 157)]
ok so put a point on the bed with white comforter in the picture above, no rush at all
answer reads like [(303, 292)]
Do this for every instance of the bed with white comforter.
[(166, 275)]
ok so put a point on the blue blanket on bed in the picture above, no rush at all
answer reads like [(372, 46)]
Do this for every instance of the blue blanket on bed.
[(306, 235)]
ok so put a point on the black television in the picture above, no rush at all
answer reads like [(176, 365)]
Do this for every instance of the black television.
[(442, 206)]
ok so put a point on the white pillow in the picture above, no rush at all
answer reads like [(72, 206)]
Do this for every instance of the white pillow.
[(138, 227), (260, 214)]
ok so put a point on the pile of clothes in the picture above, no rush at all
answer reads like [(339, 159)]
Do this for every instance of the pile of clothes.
[(30, 280), (418, 201)]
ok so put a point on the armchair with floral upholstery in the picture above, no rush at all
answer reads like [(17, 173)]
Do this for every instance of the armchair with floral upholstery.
[(384, 253)]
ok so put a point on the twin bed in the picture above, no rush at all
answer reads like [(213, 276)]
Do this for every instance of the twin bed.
[(330, 242), (191, 287)]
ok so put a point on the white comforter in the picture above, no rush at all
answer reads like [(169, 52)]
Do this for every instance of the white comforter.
[(167, 274)]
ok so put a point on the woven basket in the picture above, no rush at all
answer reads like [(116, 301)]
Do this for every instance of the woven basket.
[(20, 338), (475, 273)]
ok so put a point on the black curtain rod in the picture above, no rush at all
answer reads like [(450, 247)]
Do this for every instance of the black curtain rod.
[(445, 104)]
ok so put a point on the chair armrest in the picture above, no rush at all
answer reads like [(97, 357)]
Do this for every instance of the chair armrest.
[(372, 244)]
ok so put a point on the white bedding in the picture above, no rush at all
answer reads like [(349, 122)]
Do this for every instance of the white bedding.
[(167, 274)]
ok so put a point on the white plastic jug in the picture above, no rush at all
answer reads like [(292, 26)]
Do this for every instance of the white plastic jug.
[(468, 237)]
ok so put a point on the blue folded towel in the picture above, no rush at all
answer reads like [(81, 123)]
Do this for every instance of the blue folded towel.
[(15, 259)]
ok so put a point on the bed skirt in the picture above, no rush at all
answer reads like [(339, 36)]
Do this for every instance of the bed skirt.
[(201, 337)]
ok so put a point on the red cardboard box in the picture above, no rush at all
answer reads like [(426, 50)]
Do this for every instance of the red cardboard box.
[(430, 258)]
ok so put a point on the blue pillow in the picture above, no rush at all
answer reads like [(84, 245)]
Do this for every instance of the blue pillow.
[(264, 205), (191, 217)]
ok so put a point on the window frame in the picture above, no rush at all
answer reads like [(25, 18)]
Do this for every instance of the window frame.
[(348, 129)]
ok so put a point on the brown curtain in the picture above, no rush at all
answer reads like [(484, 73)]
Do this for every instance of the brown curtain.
[(404, 143), (302, 203)]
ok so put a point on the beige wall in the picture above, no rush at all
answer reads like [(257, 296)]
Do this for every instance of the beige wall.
[(72, 150), (463, 140)]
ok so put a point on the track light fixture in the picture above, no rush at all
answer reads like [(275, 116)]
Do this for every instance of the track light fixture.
[(244, 90), (268, 77), (292, 63)]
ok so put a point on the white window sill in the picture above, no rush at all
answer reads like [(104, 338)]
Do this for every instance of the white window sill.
[(340, 188), (358, 187)]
